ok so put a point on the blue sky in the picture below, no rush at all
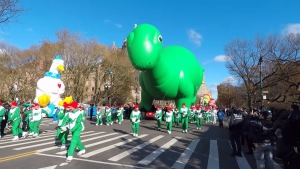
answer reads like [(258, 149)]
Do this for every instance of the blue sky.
[(202, 26)]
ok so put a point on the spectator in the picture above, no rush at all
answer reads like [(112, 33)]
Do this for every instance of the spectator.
[(4, 121), (246, 131), (220, 117), (235, 128), (262, 133)]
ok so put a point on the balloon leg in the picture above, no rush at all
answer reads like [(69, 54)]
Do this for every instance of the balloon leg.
[(146, 100)]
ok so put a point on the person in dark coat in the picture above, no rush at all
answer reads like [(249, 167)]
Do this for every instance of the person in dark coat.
[(236, 128), (4, 122)]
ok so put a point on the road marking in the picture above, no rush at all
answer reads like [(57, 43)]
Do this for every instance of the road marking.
[(134, 149), (185, 156), (18, 156), (158, 151), (111, 146), (30, 137), (241, 161), (93, 161), (36, 145), (50, 167), (51, 148), (97, 143), (213, 158)]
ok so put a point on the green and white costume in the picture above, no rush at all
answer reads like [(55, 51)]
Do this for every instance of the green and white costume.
[(185, 113), (119, 115), (169, 118), (193, 115), (60, 116), (2, 113), (176, 118), (158, 116), (108, 116), (198, 115), (135, 117), (37, 119), (99, 117), (15, 117)]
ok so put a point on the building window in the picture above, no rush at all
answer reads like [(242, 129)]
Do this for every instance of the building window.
[(92, 89)]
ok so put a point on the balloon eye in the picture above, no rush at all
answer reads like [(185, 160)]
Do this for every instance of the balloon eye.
[(159, 38)]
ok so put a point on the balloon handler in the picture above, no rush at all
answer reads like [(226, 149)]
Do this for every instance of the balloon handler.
[(119, 114), (185, 113), (60, 116), (30, 119), (158, 116), (99, 117), (63, 134), (15, 117), (167, 73), (108, 115), (193, 120), (169, 118), (198, 115), (177, 117), (75, 126), (135, 117)]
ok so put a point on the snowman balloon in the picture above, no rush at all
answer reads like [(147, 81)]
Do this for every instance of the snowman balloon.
[(51, 83)]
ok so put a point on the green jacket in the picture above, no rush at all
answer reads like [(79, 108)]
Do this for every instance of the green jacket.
[(158, 114), (187, 112), (16, 115)]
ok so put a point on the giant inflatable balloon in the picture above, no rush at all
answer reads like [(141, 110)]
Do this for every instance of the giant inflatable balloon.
[(169, 73), (206, 99), (51, 83)]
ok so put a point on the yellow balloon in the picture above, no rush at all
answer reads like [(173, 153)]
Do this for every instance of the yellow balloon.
[(61, 103), (44, 100), (68, 100)]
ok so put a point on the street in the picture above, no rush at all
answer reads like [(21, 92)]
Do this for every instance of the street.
[(114, 147)]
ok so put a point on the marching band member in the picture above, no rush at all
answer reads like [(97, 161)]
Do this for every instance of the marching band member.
[(158, 116), (185, 113), (198, 114), (108, 115), (135, 117), (176, 119), (99, 116), (119, 114), (15, 117), (169, 118)]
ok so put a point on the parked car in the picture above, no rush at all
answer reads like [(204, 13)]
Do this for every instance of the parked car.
[(150, 115)]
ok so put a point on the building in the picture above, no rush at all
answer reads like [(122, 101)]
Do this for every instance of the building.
[(203, 89)]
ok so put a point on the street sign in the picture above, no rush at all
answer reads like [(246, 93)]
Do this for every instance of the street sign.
[(265, 92), (264, 97)]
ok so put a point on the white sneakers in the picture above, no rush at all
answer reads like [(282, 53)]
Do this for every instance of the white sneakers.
[(169, 132), (24, 134), (134, 134), (197, 128), (158, 129), (35, 135), (119, 122), (15, 138), (81, 152), (107, 124), (111, 123), (69, 159), (30, 134), (100, 124), (63, 146), (96, 124), (184, 131)]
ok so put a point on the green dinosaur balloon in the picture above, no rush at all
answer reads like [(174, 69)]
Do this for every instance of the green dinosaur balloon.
[(170, 73)]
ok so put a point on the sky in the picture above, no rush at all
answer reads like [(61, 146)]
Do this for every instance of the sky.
[(201, 26)]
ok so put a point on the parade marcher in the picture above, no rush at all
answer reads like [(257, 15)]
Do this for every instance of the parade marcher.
[(108, 115), (2, 113), (185, 113), (220, 117), (169, 118), (31, 121), (193, 110), (83, 114), (99, 116), (60, 116), (235, 128), (119, 114), (198, 114), (214, 115), (122, 113), (135, 117), (15, 117), (75, 125), (63, 135), (264, 138), (158, 115), (176, 119), (37, 118)]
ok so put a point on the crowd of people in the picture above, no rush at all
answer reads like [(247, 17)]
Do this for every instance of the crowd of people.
[(267, 132)]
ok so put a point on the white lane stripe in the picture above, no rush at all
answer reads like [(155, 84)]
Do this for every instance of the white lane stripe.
[(93, 161), (111, 146), (27, 139), (55, 147), (213, 158), (185, 156), (134, 149), (36, 145), (97, 143), (147, 160), (241, 161)]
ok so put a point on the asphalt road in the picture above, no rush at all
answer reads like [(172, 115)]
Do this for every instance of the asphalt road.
[(114, 147)]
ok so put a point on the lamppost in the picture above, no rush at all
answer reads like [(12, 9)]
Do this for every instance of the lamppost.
[(261, 92), (107, 86)]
